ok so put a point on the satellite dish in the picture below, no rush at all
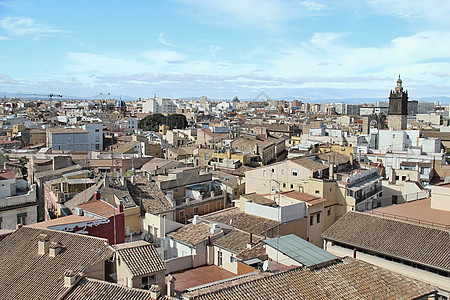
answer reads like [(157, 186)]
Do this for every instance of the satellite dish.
[(265, 265)]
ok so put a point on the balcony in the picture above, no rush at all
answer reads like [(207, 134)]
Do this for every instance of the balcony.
[(359, 197)]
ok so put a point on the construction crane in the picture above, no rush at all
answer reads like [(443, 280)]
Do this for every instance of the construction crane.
[(51, 95)]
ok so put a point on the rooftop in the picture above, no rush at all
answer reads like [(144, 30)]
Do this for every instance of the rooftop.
[(396, 238), (236, 241), (418, 211), (62, 130), (348, 279), (28, 275), (93, 289), (193, 234), (300, 250), (141, 258), (154, 201), (241, 220)]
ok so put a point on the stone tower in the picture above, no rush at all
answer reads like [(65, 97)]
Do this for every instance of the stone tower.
[(398, 107)]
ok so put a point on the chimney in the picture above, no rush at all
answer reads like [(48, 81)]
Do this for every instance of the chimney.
[(250, 244), (55, 248), (97, 195), (78, 211), (351, 159), (170, 283), (120, 206), (196, 219), (133, 179), (149, 176), (331, 172), (155, 291), (106, 181), (43, 244), (69, 278)]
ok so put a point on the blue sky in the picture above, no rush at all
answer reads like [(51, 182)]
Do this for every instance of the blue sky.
[(225, 48)]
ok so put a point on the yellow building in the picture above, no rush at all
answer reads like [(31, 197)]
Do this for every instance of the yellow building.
[(37, 136), (18, 128), (345, 150), (163, 129), (244, 158)]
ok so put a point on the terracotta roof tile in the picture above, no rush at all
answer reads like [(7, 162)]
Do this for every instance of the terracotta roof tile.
[(241, 220), (141, 258), (348, 279), (413, 242), (193, 234), (27, 275), (93, 289)]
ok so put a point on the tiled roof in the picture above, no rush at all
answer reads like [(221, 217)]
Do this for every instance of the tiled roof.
[(27, 275), (236, 241), (313, 200), (310, 164), (141, 258), (335, 157), (93, 289), (193, 234), (241, 220), (153, 200), (259, 199), (83, 197), (161, 164), (58, 172), (100, 208), (348, 279), (58, 130), (413, 242)]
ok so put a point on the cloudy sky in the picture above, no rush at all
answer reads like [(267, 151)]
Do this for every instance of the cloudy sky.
[(225, 48)]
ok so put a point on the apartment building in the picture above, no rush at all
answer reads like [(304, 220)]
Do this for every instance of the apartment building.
[(18, 202)]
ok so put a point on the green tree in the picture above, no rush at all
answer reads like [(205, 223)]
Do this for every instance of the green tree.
[(152, 122)]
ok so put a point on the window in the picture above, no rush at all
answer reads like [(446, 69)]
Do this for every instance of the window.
[(273, 170), (232, 259), (317, 192), (21, 218), (97, 130), (284, 185), (218, 205), (329, 212), (397, 178), (311, 221), (318, 218), (97, 139), (264, 173), (219, 258), (206, 156), (181, 216), (206, 209), (292, 186), (97, 146), (294, 172), (147, 281), (196, 210), (403, 178)]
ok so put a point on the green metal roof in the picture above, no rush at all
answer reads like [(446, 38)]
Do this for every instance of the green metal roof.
[(300, 250)]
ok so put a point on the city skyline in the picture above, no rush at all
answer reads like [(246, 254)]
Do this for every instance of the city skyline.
[(189, 48)]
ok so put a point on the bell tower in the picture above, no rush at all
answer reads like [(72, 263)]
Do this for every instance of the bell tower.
[(398, 107)]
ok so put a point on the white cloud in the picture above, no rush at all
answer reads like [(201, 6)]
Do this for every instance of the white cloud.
[(164, 41), (27, 26), (258, 13), (432, 10), (4, 38)]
